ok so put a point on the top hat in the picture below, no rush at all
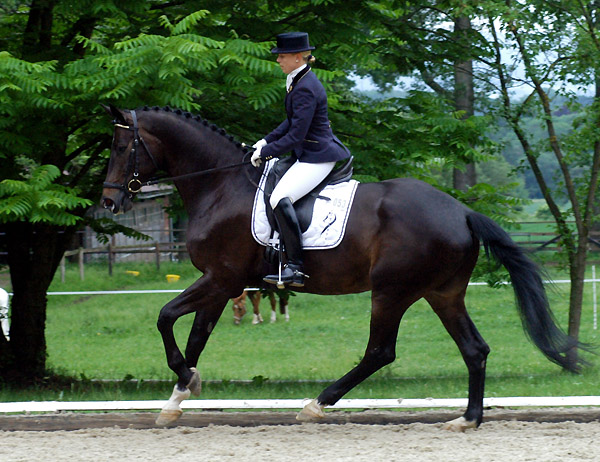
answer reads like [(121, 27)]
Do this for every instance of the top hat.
[(292, 42)]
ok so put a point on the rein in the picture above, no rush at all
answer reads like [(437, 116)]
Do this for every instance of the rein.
[(189, 175), (134, 185)]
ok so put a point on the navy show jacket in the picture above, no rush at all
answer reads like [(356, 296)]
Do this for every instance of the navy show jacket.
[(307, 131)]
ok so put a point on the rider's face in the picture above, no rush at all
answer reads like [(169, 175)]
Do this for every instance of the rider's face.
[(289, 61)]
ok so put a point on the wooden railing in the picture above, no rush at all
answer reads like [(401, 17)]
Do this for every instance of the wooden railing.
[(531, 241), (156, 248)]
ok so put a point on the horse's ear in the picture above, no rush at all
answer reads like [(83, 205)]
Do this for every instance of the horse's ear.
[(115, 112)]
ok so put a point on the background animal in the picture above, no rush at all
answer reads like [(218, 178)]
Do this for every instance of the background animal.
[(255, 296)]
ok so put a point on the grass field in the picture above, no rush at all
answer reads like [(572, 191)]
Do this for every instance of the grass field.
[(114, 337)]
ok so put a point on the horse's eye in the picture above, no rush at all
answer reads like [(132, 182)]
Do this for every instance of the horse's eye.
[(121, 149)]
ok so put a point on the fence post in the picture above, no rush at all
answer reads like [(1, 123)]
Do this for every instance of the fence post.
[(110, 259), (80, 254), (156, 246), (62, 269), (594, 295)]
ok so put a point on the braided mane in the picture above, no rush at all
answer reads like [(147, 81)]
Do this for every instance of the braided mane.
[(200, 120)]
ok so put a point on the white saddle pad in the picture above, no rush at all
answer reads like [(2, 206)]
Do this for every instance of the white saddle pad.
[(329, 219)]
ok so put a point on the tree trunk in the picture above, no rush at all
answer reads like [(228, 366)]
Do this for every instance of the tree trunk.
[(34, 253), (38, 32), (464, 98), (577, 276), (595, 226)]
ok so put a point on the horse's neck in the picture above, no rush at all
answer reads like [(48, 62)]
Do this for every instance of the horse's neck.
[(217, 189)]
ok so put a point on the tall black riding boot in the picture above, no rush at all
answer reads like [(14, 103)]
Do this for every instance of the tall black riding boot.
[(291, 236)]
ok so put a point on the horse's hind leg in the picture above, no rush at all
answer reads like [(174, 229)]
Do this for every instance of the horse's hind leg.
[(387, 311), (273, 307), (453, 314)]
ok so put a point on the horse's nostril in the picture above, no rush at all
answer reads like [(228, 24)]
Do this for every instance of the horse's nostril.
[(107, 203)]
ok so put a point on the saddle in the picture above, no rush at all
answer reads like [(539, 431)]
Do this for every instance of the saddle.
[(304, 207)]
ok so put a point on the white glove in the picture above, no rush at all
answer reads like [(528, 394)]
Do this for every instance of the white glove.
[(255, 159), (259, 144)]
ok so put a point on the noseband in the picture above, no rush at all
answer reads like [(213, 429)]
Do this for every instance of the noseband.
[(134, 185)]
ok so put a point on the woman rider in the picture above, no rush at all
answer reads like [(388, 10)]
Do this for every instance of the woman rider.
[(306, 133)]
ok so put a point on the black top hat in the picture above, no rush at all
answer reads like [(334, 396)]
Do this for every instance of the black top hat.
[(292, 42)]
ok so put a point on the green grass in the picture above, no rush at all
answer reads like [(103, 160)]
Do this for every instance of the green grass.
[(115, 337)]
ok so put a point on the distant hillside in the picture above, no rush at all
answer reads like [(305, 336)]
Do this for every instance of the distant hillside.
[(378, 95), (564, 111)]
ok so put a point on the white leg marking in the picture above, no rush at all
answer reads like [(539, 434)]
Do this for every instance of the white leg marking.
[(286, 314), (257, 319), (312, 412), (459, 425), (273, 316), (172, 411)]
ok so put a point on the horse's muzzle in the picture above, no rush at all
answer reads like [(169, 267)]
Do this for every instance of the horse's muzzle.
[(116, 203)]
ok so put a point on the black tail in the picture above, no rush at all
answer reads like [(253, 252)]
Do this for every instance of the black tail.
[(537, 318)]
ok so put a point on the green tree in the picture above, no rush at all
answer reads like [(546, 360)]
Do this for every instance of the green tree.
[(62, 58), (556, 54)]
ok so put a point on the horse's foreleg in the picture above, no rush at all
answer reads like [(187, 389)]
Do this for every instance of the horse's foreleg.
[(255, 299), (474, 350), (385, 319), (273, 307), (204, 322), (208, 310), (283, 306)]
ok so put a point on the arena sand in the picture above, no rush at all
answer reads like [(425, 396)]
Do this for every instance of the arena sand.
[(556, 440)]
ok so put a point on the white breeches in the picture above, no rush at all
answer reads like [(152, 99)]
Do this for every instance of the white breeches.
[(299, 180)]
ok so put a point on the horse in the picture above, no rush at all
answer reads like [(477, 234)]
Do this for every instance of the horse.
[(405, 240), (239, 305)]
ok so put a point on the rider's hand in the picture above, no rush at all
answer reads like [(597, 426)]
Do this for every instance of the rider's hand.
[(259, 144), (255, 159)]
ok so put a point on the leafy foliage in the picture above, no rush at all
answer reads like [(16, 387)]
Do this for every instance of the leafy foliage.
[(37, 199), (105, 227)]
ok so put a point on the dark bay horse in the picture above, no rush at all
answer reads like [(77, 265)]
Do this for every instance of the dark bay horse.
[(405, 240)]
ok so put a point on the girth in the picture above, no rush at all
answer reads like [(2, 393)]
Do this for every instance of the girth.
[(304, 207)]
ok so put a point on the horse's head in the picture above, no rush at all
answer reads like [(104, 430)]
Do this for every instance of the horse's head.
[(239, 308), (131, 162)]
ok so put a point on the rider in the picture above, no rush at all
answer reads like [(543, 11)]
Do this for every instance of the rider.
[(306, 132)]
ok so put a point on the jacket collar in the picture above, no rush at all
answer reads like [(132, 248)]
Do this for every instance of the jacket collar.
[(298, 77)]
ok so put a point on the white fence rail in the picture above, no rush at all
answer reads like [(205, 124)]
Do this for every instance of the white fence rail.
[(212, 404)]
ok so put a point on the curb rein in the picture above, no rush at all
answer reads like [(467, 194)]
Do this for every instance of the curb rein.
[(134, 185)]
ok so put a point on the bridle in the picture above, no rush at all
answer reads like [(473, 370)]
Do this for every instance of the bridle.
[(134, 185)]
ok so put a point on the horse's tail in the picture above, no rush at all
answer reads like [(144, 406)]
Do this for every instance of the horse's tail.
[(537, 318)]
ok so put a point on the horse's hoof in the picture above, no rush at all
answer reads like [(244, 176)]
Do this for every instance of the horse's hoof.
[(168, 416), (171, 411), (195, 385), (459, 425), (312, 412)]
